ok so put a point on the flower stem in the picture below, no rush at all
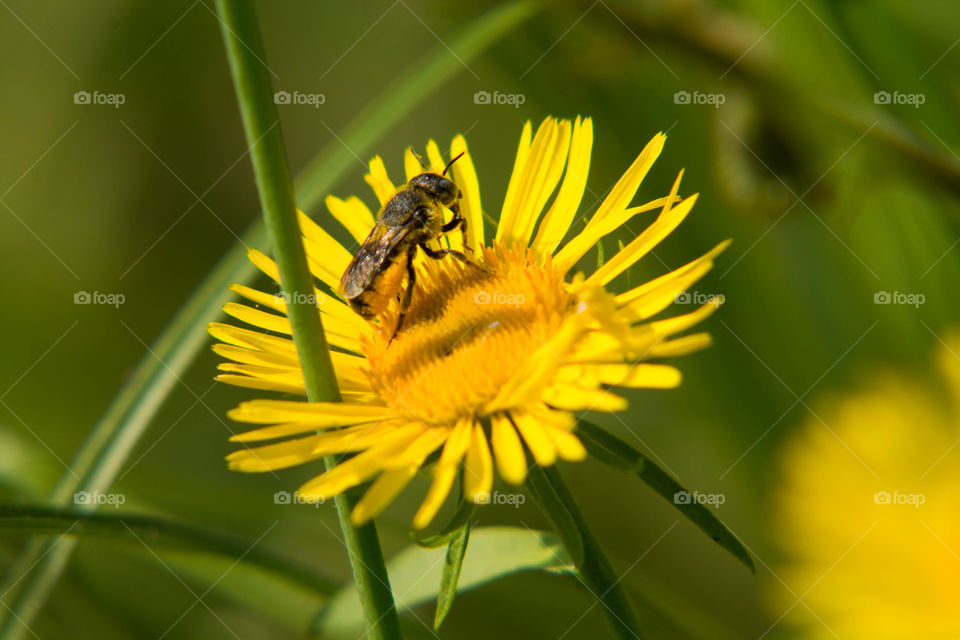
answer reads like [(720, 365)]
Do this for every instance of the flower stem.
[(593, 568), (245, 52)]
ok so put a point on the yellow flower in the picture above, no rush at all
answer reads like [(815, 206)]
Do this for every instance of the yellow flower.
[(867, 514), (488, 361)]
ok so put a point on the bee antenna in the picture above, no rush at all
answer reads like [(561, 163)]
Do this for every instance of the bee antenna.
[(419, 159), (450, 164)]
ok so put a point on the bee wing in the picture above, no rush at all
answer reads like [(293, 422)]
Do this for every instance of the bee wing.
[(370, 258)]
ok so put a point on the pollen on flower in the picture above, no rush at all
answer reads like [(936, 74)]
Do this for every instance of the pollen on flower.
[(467, 331)]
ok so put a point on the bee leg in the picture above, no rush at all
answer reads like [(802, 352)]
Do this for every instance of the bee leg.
[(436, 255), (459, 255), (458, 221), (407, 295)]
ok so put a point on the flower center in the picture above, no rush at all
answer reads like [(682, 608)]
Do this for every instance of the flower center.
[(466, 332)]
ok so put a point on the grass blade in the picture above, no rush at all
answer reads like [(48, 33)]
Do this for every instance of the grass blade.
[(610, 449), (593, 569), (49, 521)]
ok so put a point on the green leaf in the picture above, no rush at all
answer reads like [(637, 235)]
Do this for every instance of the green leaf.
[(152, 531), (594, 571), (452, 564), (564, 520), (416, 573), (451, 530), (610, 449)]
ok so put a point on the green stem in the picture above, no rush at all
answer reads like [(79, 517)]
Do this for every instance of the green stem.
[(593, 568), (261, 122)]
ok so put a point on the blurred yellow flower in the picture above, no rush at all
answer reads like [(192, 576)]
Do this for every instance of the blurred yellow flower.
[(868, 512), (492, 359)]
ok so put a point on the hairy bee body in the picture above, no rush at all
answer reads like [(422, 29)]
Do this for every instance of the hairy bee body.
[(410, 219)]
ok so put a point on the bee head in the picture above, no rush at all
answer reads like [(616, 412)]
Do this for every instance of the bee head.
[(436, 186)]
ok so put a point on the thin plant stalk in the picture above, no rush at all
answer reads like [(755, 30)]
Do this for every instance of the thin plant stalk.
[(245, 52)]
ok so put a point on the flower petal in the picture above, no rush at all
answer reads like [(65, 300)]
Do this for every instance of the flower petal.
[(445, 472), (465, 176), (556, 222), (353, 214), (478, 468), (319, 415), (548, 156), (508, 451), (382, 492), (379, 181), (508, 214)]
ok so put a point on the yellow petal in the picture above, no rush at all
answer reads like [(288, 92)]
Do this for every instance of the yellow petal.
[(363, 427), (411, 166), (541, 446), (511, 460), (670, 326), (353, 214), (508, 214), (548, 156), (434, 157), (556, 222), (328, 259), (650, 376), (681, 346), (293, 452), (252, 339), (252, 356), (263, 262), (444, 472), (694, 265), (478, 468), (379, 181), (574, 397), (465, 176), (316, 414), (567, 445), (257, 318), (394, 449), (642, 244), (258, 383), (626, 187), (382, 492)]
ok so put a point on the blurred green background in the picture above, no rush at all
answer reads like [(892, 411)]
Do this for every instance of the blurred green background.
[(832, 193)]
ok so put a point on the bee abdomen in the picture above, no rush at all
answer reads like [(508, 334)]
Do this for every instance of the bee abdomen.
[(385, 286)]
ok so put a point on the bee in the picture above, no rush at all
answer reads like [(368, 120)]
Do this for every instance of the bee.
[(410, 219)]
